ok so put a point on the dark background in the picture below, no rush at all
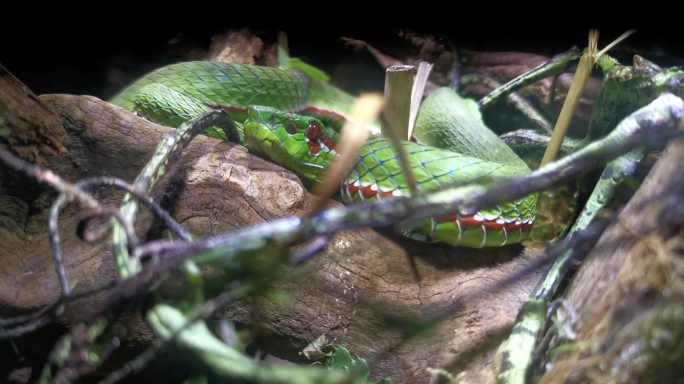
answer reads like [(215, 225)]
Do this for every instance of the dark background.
[(99, 59)]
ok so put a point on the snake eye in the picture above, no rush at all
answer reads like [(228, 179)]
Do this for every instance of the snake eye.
[(313, 131), (291, 127)]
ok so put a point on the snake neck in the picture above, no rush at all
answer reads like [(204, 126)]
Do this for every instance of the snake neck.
[(302, 144), (332, 106)]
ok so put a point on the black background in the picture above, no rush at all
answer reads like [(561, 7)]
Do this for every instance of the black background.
[(80, 58)]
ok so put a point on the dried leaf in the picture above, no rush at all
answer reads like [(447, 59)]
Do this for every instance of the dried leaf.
[(314, 350)]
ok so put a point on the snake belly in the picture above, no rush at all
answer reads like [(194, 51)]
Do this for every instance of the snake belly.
[(289, 118)]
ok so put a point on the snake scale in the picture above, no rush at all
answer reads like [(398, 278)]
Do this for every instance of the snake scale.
[(295, 119)]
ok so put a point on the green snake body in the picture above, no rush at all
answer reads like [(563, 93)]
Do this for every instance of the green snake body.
[(303, 144), (200, 85), (274, 101)]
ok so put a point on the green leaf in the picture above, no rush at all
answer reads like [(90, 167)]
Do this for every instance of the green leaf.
[(283, 58), (606, 62), (4, 131), (197, 379), (631, 182), (444, 373), (570, 347), (341, 360), (309, 70)]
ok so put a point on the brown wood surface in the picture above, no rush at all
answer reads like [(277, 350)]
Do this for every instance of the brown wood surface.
[(35, 131), (218, 187), (634, 268)]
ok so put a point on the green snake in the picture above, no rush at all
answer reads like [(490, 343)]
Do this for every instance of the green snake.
[(295, 119)]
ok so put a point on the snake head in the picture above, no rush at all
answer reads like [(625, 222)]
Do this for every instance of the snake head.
[(301, 144)]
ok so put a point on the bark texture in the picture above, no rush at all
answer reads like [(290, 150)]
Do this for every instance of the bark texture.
[(30, 130), (625, 286), (218, 187)]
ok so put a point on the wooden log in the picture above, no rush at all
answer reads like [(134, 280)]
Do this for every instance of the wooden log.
[(32, 130), (218, 187), (630, 276)]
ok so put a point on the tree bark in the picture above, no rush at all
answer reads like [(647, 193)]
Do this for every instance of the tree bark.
[(34, 130), (218, 187), (634, 270)]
